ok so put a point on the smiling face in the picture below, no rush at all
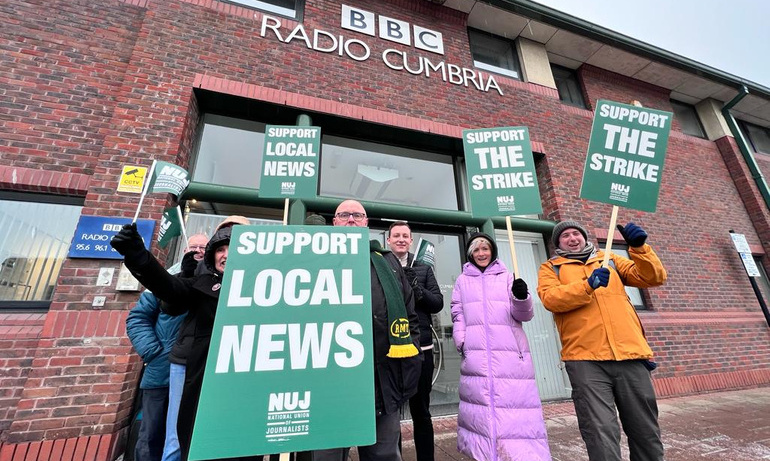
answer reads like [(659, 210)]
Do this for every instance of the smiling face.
[(482, 254), (399, 240), (220, 258), (571, 240)]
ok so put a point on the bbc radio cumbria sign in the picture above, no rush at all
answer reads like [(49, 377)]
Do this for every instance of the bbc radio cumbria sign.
[(390, 29)]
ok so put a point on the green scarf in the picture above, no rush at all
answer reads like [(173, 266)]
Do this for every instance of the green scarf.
[(401, 345)]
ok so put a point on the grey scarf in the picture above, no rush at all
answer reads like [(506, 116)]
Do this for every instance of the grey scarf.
[(587, 252)]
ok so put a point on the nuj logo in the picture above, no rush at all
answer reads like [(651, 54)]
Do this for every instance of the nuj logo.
[(288, 401), (620, 188), (505, 199)]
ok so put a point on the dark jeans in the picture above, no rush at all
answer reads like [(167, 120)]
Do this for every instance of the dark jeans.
[(419, 407), (152, 432), (598, 387)]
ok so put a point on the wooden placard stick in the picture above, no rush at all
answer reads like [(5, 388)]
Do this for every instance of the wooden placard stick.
[(610, 235), (285, 216), (513, 248)]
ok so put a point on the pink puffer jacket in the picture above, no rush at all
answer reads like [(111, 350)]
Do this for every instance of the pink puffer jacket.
[(500, 415)]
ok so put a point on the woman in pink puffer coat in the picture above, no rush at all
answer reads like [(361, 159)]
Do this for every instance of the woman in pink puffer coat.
[(500, 415)]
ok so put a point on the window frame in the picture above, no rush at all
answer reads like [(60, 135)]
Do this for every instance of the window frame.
[(491, 67), (299, 9), (644, 306), (688, 130), (745, 126), (32, 197), (570, 73)]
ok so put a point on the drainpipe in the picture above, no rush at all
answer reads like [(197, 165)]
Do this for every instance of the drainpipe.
[(746, 151)]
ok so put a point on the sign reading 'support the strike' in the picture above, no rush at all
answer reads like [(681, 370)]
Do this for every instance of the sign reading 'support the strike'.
[(501, 172), (290, 363), (290, 162), (625, 158), (394, 30)]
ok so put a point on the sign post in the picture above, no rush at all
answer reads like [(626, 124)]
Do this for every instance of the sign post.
[(501, 175), (625, 159), (293, 322)]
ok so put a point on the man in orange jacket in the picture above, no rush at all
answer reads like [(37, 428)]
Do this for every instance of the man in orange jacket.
[(604, 349)]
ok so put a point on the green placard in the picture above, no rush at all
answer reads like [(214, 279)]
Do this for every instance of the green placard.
[(501, 172), (290, 366), (625, 158), (290, 162)]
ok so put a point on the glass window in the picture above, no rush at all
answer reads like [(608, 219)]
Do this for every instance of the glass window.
[(568, 86), (230, 152), (378, 172), (494, 54), (634, 294), (688, 119), (758, 136), (34, 240), (203, 223), (288, 8)]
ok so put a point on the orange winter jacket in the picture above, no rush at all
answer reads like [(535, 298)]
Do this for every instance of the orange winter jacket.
[(599, 324)]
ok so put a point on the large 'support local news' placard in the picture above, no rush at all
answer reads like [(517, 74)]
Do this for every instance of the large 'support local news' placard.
[(625, 158), (290, 367), (501, 172)]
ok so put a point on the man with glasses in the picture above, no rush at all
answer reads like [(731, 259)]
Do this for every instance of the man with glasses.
[(395, 378)]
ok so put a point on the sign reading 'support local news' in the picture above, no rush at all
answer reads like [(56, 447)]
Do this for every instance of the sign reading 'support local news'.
[(290, 366), (625, 158), (290, 162), (501, 172)]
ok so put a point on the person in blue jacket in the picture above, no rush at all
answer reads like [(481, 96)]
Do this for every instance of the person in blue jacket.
[(153, 333)]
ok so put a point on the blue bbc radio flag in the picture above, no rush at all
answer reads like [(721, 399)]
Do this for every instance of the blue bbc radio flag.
[(93, 234)]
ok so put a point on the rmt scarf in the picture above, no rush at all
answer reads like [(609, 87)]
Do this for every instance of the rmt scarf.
[(401, 345)]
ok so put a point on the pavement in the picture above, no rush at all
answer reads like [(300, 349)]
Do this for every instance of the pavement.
[(729, 426)]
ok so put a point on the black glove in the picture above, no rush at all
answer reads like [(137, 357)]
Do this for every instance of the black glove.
[(519, 289), (189, 264), (634, 235), (411, 276), (599, 278), (129, 243)]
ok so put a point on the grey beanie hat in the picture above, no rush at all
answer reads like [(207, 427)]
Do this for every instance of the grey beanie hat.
[(564, 225)]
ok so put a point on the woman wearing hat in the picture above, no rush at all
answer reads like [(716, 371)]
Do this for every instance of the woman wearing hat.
[(500, 415), (604, 349)]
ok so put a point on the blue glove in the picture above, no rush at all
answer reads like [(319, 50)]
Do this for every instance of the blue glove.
[(599, 278), (634, 235)]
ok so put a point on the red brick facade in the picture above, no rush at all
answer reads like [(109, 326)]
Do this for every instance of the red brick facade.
[(89, 85)]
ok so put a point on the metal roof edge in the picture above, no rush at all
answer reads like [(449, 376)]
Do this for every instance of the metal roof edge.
[(588, 29)]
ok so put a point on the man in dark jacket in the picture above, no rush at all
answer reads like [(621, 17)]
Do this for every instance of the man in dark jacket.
[(152, 334), (427, 300), (395, 379)]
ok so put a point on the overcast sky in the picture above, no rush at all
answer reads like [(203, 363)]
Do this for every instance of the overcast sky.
[(733, 36)]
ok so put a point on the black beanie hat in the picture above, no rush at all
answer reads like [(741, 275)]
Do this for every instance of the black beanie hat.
[(477, 235), (564, 225)]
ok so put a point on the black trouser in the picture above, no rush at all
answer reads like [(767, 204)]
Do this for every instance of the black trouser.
[(384, 449), (598, 387), (419, 407), (152, 432)]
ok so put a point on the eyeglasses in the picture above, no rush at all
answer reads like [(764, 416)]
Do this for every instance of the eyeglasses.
[(197, 247), (357, 217)]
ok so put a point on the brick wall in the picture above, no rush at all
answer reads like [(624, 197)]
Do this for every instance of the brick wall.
[(102, 84)]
